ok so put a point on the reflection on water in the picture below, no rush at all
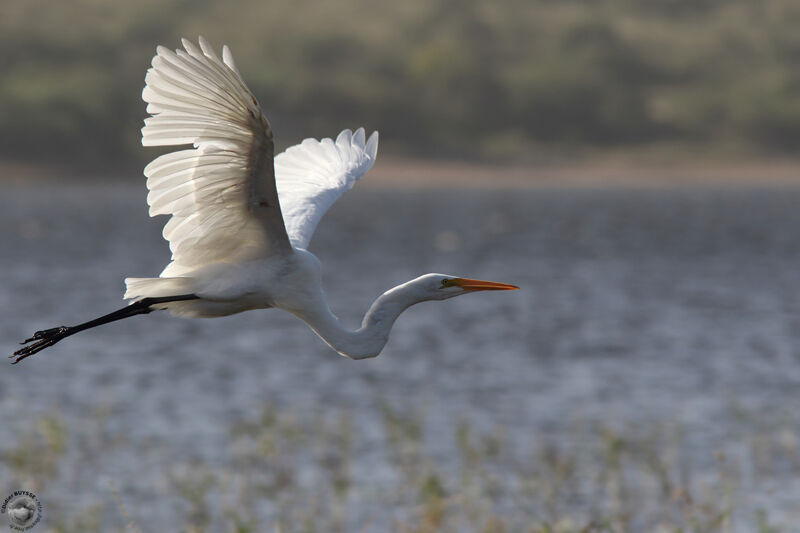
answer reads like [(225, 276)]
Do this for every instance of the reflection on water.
[(637, 307)]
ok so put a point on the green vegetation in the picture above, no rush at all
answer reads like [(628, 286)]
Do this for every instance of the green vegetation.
[(442, 78), (291, 472)]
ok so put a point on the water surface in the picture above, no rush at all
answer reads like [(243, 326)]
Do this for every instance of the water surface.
[(637, 308)]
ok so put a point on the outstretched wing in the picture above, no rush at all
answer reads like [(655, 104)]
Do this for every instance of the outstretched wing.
[(221, 193), (312, 175)]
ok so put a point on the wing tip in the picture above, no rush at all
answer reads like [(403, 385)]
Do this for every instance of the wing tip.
[(371, 148), (358, 137), (207, 49), (344, 138), (227, 58)]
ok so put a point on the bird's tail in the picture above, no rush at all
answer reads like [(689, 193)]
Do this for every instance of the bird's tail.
[(138, 288)]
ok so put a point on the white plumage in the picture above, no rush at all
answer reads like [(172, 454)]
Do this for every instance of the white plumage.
[(221, 193), (240, 217), (312, 175), (195, 98)]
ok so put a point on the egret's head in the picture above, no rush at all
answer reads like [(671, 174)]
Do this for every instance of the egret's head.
[(442, 286)]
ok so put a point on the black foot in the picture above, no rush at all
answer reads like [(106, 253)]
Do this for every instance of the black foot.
[(44, 338)]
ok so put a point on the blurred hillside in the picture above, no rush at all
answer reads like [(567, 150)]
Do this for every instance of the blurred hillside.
[(511, 79)]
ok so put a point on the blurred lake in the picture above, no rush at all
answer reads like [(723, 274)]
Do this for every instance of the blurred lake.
[(639, 308)]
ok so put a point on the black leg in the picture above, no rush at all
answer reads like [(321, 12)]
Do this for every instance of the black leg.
[(48, 337)]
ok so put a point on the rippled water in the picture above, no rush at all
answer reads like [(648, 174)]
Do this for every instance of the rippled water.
[(638, 307)]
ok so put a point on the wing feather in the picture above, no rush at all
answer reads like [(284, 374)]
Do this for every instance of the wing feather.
[(312, 175), (221, 194)]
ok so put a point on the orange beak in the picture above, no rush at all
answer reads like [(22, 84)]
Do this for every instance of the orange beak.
[(480, 285)]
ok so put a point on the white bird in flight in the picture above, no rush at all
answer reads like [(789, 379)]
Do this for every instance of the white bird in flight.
[(242, 218)]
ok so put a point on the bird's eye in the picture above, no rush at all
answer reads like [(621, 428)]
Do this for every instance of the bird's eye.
[(447, 283)]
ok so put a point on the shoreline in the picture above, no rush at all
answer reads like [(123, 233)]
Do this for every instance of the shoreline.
[(595, 173), (401, 173)]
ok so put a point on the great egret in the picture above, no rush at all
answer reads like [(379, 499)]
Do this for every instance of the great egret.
[(234, 245)]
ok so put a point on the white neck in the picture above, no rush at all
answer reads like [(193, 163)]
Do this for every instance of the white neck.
[(369, 340)]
